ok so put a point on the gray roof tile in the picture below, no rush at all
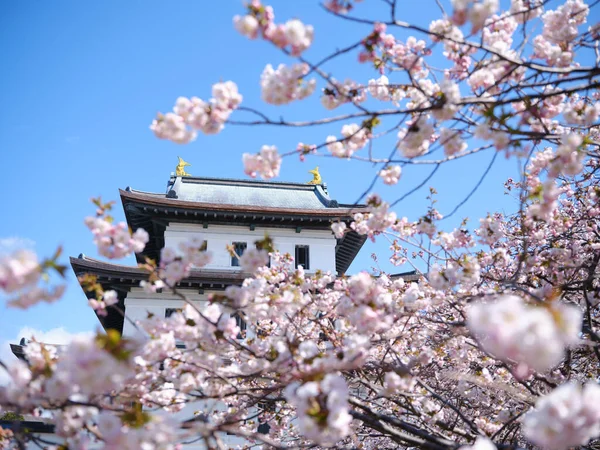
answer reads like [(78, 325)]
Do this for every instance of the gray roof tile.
[(250, 193)]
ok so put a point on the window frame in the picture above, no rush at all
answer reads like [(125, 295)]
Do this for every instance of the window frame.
[(235, 261), (170, 311), (306, 266)]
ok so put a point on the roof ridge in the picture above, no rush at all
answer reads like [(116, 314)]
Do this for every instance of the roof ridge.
[(250, 181)]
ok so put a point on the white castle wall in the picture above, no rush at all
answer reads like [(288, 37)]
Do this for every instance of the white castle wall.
[(321, 242), (139, 304)]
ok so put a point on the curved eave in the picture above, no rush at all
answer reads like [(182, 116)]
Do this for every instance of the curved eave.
[(30, 426), (17, 350), (153, 212), (122, 278), (347, 249)]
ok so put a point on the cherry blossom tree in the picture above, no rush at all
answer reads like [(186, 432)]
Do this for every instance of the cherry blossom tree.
[(495, 346)]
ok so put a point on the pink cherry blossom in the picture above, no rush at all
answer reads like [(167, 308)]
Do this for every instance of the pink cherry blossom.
[(285, 84), (568, 416), (390, 174), (266, 163)]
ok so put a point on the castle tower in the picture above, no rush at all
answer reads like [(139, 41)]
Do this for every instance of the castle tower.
[(223, 212)]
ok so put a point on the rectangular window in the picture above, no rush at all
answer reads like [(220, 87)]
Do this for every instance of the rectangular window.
[(302, 257), (170, 311), (238, 248), (241, 323)]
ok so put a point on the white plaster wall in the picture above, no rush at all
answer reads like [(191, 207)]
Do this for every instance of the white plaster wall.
[(139, 304), (321, 242)]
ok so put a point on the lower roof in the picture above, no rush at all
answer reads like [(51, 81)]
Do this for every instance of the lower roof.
[(122, 279)]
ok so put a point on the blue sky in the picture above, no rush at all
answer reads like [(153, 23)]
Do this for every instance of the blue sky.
[(83, 80)]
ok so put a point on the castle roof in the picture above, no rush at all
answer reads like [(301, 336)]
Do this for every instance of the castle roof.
[(258, 194)]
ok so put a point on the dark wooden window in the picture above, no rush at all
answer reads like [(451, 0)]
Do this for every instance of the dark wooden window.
[(302, 257), (239, 248), (240, 322), (170, 311)]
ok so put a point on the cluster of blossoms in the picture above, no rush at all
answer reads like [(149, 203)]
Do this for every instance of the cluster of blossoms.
[(115, 241), (260, 20), (19, 270), (336, 93), (452, 142), (365, 303), (445, 31), (340, 6), (390, 174), (567, 160), (490, 230), (381, 90), (500, 139), (191, 114), (498, 33), (158, 433), (533, 336), (253, 259), (20, 275), (383, 49), (175, 266), (449, 95), (415, 140), (578, 112), (474, 11), (322, 409), (569, 156), (109, 298), (354, 137), (525, 10), (458, 239), (265, 163), (86, 367), (376, 220), (560, 29), (285, 84), (544, 209), (567, 417), (305, 149), (409, 56), (394, 383), (339, 229), (464, 272), (538, 115)]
